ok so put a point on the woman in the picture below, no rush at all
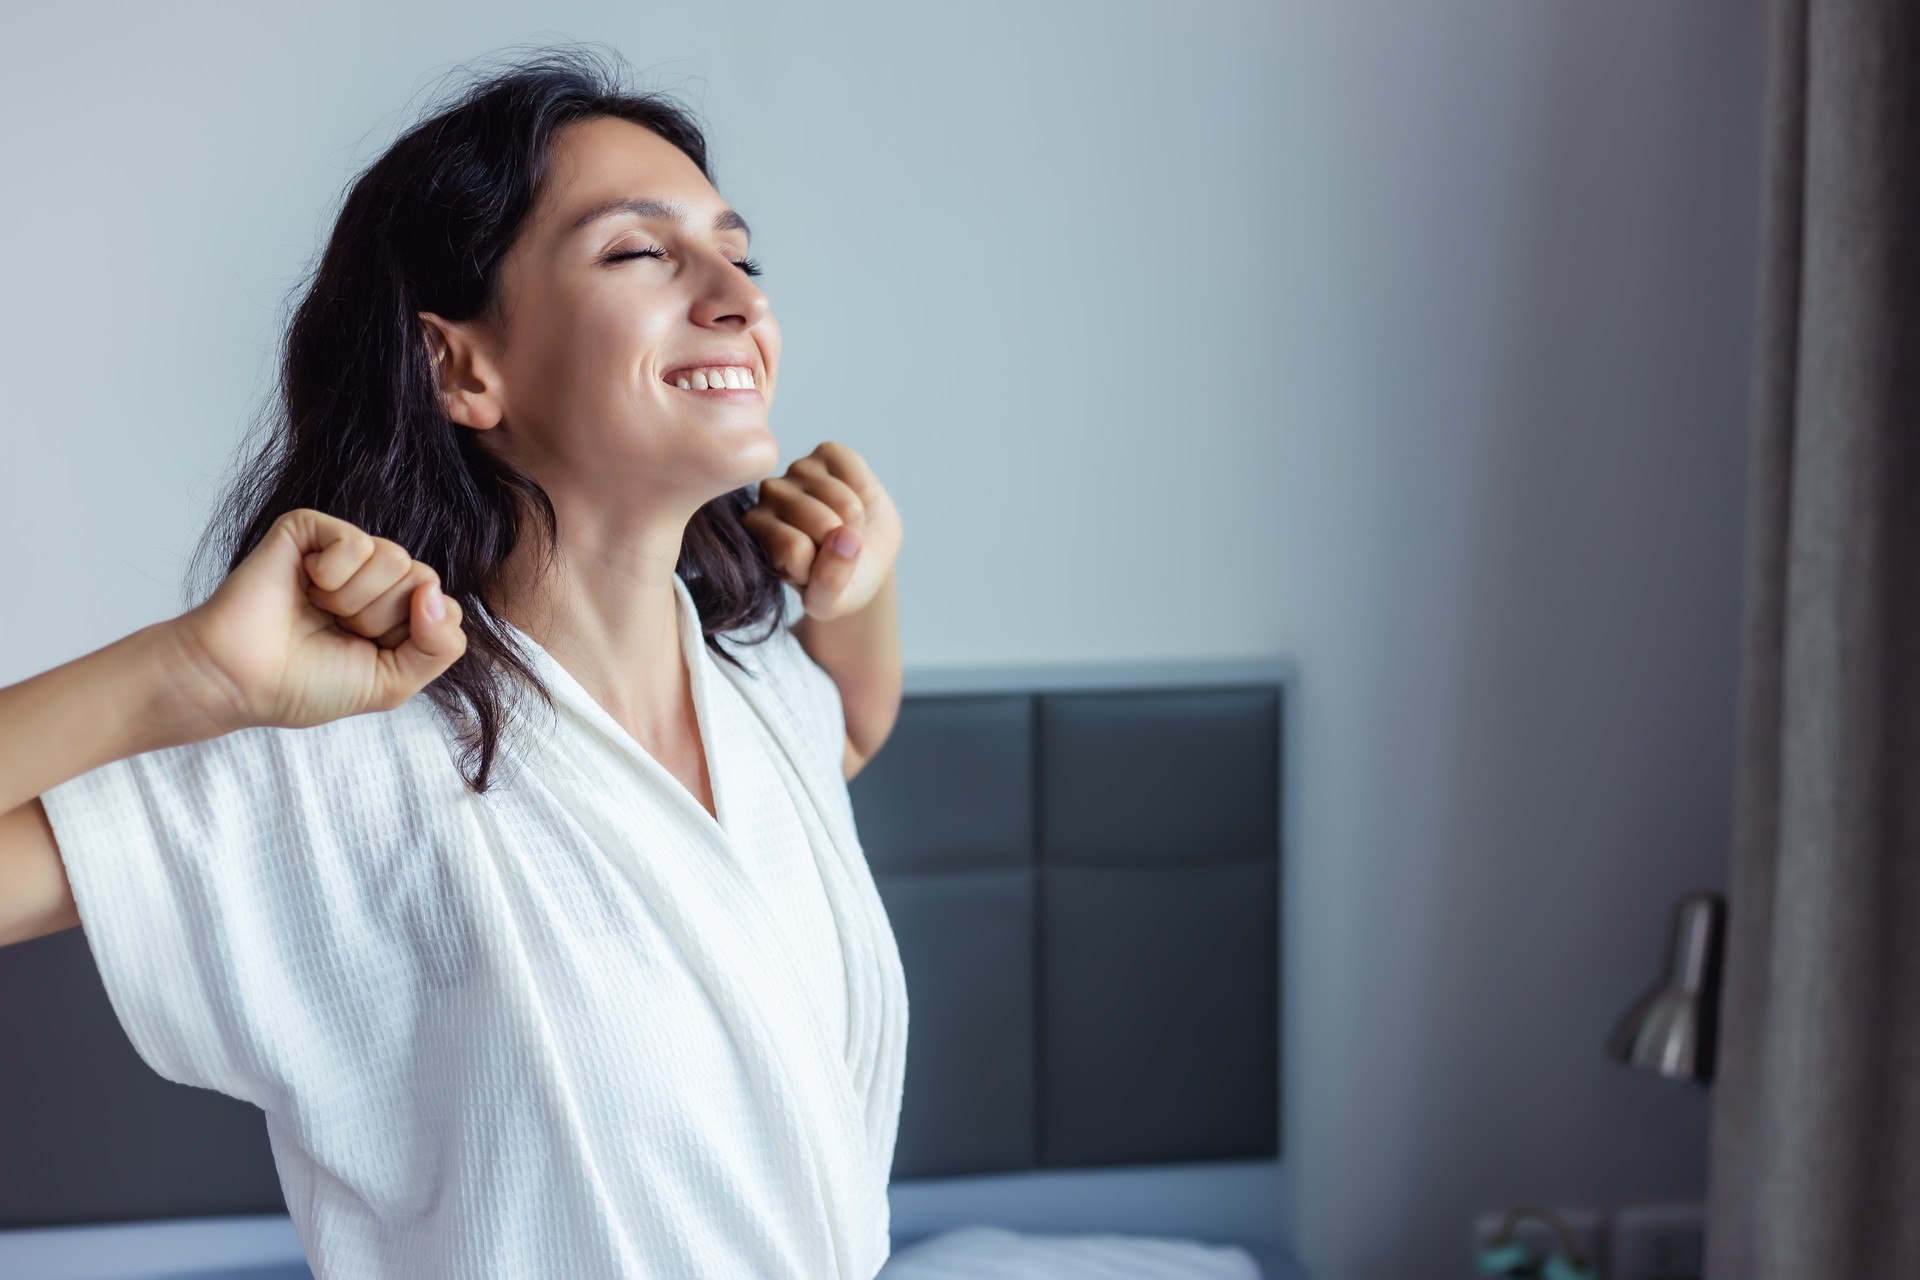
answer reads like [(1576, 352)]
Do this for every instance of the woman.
[(572, 967)]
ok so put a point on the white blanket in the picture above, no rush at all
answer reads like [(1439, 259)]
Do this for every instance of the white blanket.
[(569, 1028)]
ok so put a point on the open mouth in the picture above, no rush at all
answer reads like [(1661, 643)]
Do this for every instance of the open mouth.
[(715, 380)]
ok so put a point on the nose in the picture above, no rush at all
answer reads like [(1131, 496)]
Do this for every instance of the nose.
[(729, 296)]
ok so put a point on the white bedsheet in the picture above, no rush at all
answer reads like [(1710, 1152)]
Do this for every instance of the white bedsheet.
[(994, 1253)]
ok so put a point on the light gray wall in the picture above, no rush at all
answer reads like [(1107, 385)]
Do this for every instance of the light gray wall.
[(1407, 342)]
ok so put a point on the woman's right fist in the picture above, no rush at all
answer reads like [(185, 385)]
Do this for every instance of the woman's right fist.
[(320, 621)]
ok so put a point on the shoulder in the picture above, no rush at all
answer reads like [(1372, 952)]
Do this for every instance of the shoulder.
[(782, 672), (325, 774), (780, 657), (361, 748)]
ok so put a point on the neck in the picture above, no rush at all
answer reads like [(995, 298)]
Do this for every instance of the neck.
[(605, 610)]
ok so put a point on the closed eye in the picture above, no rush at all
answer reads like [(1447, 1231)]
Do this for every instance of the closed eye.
[(747, 265)]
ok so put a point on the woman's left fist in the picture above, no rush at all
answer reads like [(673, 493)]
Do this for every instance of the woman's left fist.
[(802, 517)]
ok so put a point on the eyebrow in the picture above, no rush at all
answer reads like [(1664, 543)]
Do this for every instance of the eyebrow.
[(642, 207)]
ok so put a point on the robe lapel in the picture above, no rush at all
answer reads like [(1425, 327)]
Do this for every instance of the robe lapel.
[(876, 985), (785, 733), (733, 930)]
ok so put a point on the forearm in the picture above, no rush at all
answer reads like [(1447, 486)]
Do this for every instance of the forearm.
[(861, 651), (130, 696)]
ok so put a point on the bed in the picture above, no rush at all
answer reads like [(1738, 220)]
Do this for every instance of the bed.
[(1083, 870)]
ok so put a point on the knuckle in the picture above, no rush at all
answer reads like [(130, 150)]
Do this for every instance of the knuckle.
[(794, 545), (850, 504)]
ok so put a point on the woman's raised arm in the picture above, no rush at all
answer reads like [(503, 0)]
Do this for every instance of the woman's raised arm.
[(320, 621)]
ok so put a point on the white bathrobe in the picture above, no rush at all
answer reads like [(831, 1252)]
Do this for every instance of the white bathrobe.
[(571, 1028)]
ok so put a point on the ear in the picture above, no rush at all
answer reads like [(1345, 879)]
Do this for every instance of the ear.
[(468, 381)]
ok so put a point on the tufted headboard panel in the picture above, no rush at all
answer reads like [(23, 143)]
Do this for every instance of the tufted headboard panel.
[(1084, 885)]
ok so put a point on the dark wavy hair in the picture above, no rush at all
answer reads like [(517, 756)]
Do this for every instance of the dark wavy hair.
[(357, 428)]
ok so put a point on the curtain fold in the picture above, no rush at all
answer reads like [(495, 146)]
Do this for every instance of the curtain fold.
[(1815, 1157)]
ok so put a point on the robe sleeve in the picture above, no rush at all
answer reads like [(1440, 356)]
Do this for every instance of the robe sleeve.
[(189, 872)]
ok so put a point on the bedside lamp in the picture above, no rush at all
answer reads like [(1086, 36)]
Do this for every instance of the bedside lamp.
[(1670, 1030)]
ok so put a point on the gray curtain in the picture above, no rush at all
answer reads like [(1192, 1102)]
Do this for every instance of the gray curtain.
[(1815, 1160)]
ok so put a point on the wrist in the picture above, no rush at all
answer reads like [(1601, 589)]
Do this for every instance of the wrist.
[(135, 695), (185, 697)]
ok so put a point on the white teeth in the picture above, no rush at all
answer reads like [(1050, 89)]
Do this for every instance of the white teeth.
[(733, 376)]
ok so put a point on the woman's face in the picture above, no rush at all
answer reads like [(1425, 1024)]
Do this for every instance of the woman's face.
[(595, 341)]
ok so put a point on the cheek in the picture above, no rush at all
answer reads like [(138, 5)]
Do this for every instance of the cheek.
[(563, 353), (587, 381), (610, 353), (623, 334), (770, 356)]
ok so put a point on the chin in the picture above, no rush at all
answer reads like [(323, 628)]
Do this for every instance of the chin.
[(753, 457)]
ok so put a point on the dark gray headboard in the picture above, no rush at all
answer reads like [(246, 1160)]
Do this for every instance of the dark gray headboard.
[(1084, 884), (1085, 888)]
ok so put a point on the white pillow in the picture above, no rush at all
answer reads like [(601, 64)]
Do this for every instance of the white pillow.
[(993, 1253)]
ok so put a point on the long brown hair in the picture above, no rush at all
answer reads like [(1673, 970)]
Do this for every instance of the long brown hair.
[(357, 428)]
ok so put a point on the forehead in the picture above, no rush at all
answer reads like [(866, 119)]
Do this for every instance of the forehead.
[(602, 159)]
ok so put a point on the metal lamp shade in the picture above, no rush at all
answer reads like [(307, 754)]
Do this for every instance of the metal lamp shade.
[(1670, 1030)]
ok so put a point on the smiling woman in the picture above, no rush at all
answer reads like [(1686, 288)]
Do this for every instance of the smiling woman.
[(574, 967), (486, 334)]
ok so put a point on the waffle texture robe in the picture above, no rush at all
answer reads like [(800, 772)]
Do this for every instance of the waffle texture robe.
[(573, 1027)]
